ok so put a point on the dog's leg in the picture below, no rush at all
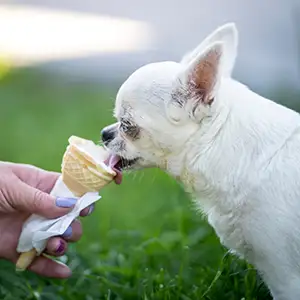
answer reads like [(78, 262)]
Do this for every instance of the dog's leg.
[(288, 291), (283, 282)]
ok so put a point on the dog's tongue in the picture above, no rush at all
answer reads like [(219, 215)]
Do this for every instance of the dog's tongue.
[(112, 161)]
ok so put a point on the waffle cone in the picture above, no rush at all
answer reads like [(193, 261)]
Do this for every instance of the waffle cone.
[(25, 260), (81, 172)]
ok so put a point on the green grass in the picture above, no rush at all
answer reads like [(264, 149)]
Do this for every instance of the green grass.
[(144, 240)]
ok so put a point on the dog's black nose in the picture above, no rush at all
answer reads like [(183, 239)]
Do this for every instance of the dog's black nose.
[(107, 135)]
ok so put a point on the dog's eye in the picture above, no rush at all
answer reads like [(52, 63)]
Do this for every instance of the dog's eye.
[(124, 127), (129, 129)]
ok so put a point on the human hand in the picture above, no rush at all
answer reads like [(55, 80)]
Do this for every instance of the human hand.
[(24, 190)]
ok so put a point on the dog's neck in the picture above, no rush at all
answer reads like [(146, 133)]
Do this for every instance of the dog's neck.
[(184, 164), (246, 132)]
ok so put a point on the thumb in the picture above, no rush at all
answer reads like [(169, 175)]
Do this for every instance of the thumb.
[(34, 201)]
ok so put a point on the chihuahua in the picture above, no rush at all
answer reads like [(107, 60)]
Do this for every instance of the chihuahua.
[(236, 152)]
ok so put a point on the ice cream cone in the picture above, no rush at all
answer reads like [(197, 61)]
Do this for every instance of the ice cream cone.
[(83, 167), (83, 170), (25, 259)]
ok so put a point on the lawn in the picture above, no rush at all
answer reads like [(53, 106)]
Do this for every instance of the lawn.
[(144, 240)]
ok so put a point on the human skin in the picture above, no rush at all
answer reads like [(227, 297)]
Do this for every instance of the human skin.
[(24, 190)]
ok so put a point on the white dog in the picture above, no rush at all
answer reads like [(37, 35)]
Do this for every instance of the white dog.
[(236, 152)]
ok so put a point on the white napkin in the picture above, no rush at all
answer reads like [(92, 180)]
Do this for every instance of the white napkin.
[(37, 230)]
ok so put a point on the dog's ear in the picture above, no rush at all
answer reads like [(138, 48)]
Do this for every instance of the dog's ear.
[(197, 85), (228, 35)]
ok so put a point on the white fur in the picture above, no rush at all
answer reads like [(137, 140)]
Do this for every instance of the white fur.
[(239, 157)]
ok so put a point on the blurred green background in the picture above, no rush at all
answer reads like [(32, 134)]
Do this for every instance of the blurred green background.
[(144, 240), (61, 64)]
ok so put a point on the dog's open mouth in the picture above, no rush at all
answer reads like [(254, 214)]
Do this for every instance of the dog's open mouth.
[(118, 164)]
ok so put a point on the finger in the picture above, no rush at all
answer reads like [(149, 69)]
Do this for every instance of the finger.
[(87, 211), (56, 246), (49, 268), (47, 181), (33, 201), (35, 177), (73, 232)]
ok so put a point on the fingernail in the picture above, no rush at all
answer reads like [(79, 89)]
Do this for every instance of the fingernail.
[(60, 248), (65, 202), (91, 209), (68, 232)]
